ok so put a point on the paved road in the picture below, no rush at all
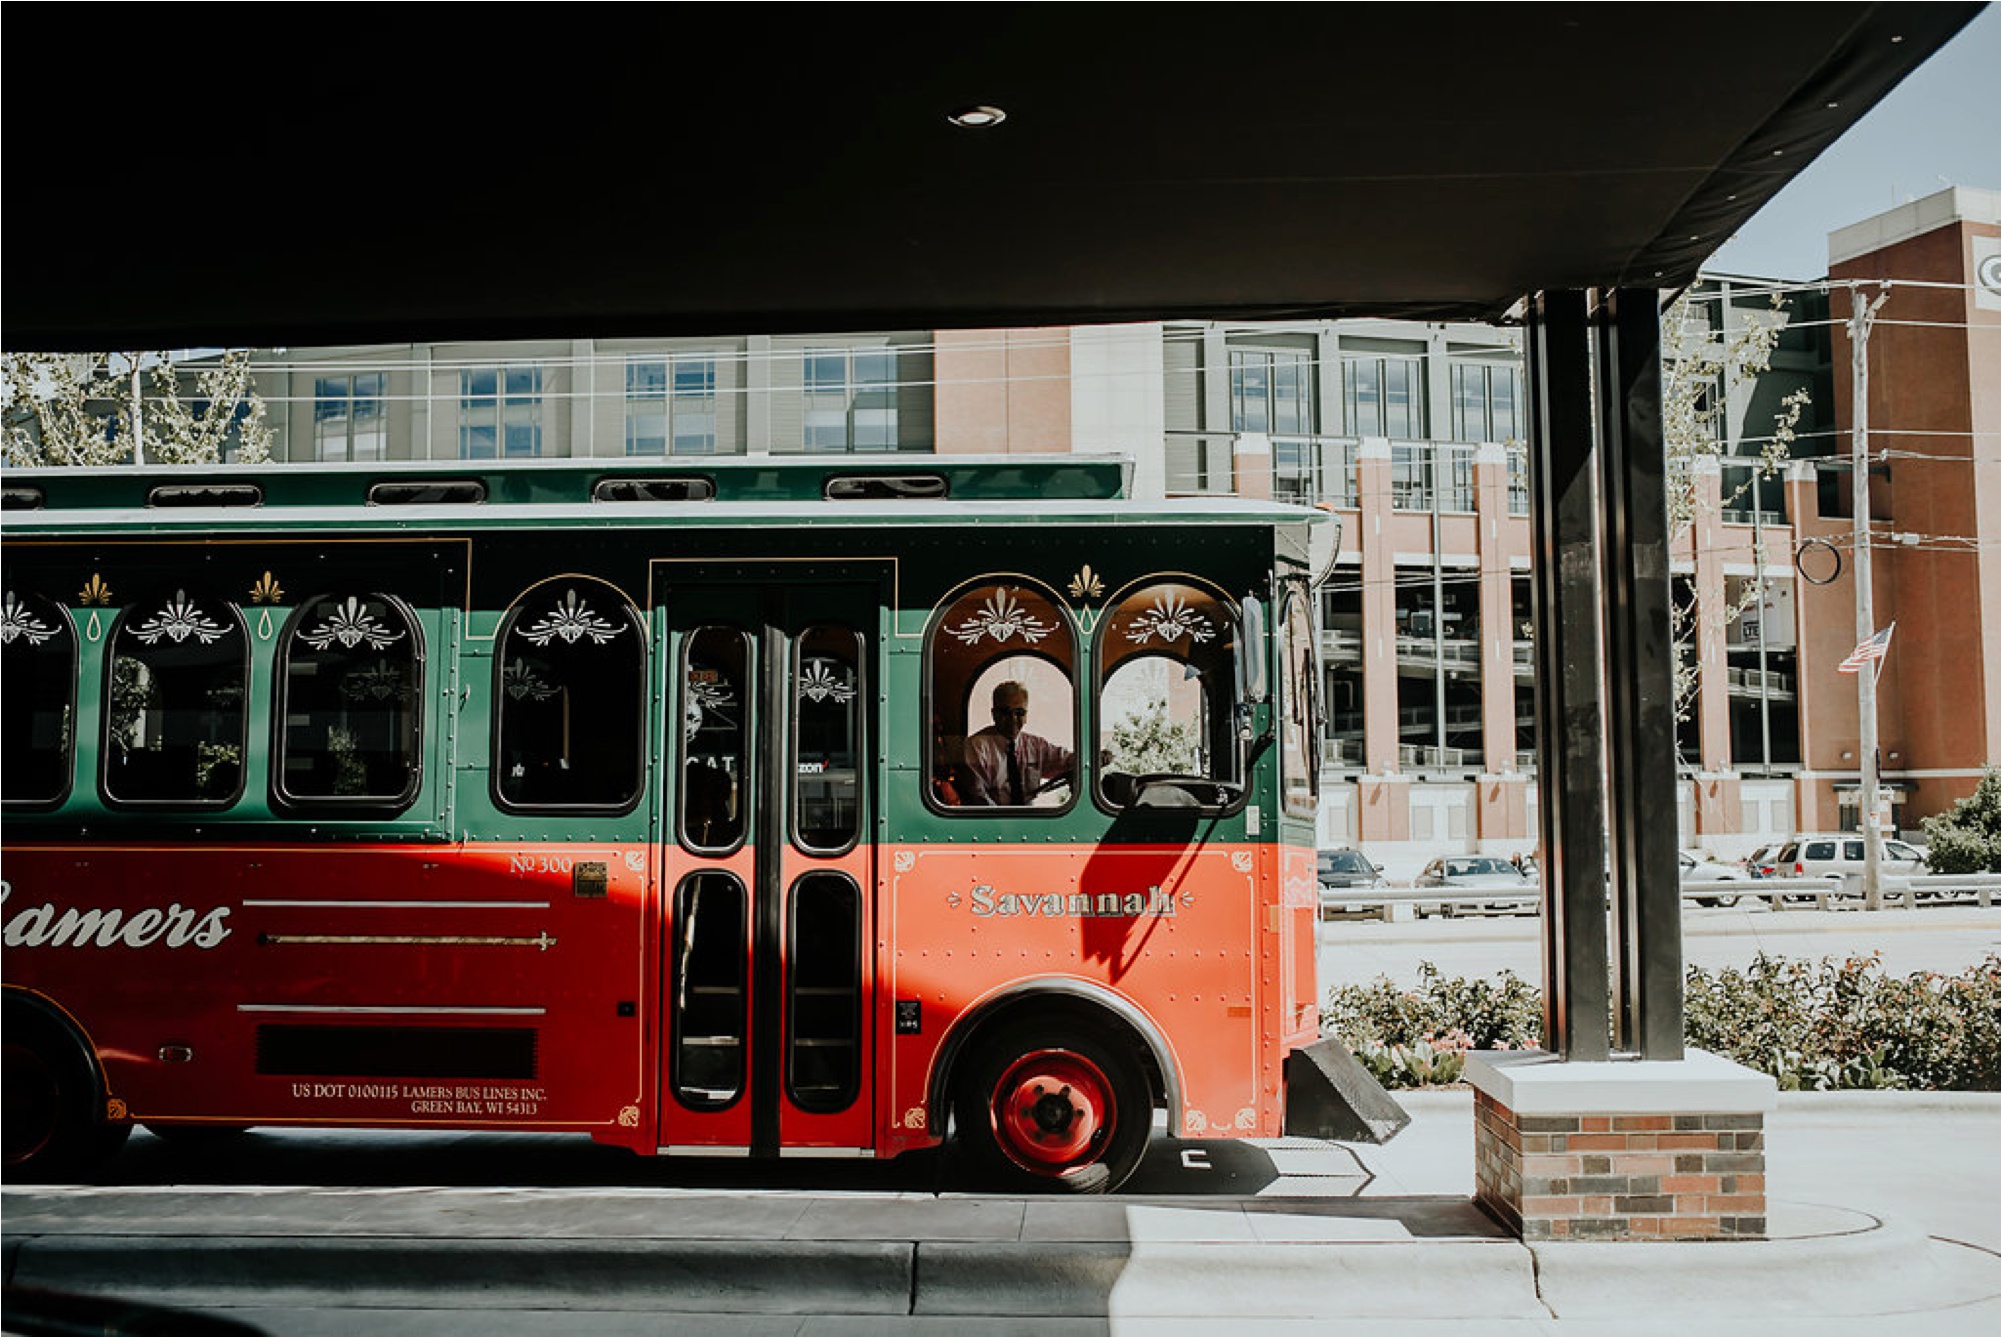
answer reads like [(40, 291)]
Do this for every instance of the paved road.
[(1947, 938), (1885, 1213), (1884, 1221)]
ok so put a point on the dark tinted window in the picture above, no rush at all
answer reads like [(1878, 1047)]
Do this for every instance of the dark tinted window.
[(827, 732), (570, 699), (715, 737), (351, 677), (175, 707), (38, 708)]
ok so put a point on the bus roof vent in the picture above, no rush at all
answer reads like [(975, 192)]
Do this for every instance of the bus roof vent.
[(432, 492), (681, 488), (885, 487), (206, 494), (20, 497)]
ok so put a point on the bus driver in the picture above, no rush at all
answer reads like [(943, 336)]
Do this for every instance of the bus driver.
[(1005, 764)]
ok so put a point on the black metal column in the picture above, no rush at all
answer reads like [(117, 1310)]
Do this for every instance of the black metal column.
[(1569, 744), (1640, 687)]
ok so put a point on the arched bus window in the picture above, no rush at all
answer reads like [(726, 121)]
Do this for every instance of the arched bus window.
[(175, 706), (570, 700), (827, 734), (1003, 701), (1167, 696), (38, 709), (1300, 726), (715, 738), (350, 690)]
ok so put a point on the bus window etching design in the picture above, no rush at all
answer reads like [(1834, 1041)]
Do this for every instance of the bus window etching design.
[(1003, 701), (1001, 617), (38, 662), (571, 619), (351, 624), (349, 672), (175, 716), (570, 705)]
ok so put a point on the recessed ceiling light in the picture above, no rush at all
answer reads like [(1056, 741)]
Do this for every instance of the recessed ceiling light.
[(975, 118)]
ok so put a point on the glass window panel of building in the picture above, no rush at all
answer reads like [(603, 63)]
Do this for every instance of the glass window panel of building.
[(348, 418), (1411, 476), (1487, 402), (1438, 667), (671, 405), (1272, 391), (851, 399), (500, 412), (1456, 476), (1384, 396)]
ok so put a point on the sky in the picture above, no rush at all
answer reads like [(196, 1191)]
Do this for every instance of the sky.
[(1941, 127)]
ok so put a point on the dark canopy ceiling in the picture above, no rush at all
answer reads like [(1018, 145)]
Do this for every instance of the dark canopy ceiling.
[(317, 174)]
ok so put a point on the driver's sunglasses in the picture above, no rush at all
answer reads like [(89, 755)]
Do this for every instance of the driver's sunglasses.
[(1019, 712)]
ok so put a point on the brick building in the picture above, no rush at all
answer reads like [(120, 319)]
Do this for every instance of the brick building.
[(1412, 432)]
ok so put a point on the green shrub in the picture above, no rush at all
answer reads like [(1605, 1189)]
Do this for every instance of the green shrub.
[(1812, 1026), (1846, 1024), (1968, 838), (1417, 1038)]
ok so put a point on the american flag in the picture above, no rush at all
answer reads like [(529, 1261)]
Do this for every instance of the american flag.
[(1871, 648)]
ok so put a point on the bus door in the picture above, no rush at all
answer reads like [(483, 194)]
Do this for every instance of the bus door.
[(768, 882)]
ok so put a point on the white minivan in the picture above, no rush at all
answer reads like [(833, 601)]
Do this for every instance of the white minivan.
[(1840, 854)]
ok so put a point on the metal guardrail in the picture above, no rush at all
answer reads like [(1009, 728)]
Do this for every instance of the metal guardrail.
[(1821, 893)]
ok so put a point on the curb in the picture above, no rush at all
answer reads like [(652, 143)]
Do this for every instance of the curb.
[(1883, 1269), (731, 1277)]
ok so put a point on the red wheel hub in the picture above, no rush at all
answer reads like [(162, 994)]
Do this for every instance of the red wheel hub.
[(1052, 1110)]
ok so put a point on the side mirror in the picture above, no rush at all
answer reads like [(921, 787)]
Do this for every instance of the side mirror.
[(1251, 679)]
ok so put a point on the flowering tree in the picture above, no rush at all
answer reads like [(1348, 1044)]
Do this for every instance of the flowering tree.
[(120, 408), (1701, 367)]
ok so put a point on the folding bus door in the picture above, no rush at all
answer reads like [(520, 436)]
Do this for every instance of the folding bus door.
[(769, 978)]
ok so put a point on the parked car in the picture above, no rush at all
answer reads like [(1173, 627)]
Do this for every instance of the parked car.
[(1840, 855), (1340, 872), (1698, 867), (1476, 875), (1763, 862)]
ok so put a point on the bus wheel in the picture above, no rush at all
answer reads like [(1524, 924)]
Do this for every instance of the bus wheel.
[(1056, 1107), (48, 1100)]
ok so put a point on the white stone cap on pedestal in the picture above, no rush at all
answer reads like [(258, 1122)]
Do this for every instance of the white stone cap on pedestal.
[(1536, 1082)]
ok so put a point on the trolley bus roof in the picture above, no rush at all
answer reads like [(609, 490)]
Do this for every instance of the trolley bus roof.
[(430, 497)]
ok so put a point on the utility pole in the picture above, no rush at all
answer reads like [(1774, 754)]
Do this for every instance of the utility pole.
[(1860, 318), (138, 426)]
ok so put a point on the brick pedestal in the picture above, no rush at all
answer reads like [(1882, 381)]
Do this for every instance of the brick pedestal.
[(1627, 1150)]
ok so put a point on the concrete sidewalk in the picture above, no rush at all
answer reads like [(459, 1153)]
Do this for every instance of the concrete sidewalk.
[(1884, 1217)]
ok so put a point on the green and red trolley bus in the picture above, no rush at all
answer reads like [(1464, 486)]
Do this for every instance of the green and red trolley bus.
[(640, 801)]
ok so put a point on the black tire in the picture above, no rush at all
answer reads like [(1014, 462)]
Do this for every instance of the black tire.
[(1053, 1105), (52, 1127)]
